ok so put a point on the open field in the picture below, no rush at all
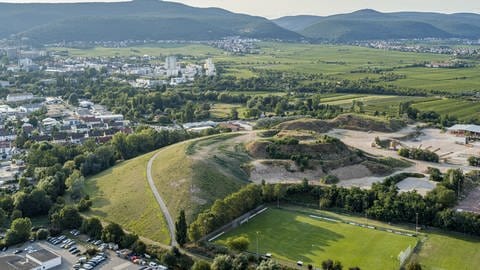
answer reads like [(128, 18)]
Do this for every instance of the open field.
[(449, 251), (338, 62), (151, 50), (294, 236), (122, 195), (463, 109), (222, 110)]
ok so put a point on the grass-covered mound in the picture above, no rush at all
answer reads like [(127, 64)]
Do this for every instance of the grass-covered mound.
[(122, 195), (192, 175)]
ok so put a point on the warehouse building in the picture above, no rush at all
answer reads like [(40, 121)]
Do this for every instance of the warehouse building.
[(471, 131), (38, 260)]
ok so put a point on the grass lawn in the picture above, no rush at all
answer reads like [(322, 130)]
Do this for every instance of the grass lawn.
[(452, 251), (191, 175), (122, 195), (294, 236)]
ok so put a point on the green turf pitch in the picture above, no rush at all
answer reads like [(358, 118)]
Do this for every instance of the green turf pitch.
[(292, 236)]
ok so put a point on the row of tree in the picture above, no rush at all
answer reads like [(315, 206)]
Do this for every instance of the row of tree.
[(383, 202)]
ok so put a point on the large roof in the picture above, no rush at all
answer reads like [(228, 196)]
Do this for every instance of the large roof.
[(469, 128), (12, 262), (42, 255)]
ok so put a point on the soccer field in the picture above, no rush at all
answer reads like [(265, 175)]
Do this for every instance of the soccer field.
[(294, 236)]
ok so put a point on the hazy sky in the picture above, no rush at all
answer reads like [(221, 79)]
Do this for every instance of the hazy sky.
[(278, 8)]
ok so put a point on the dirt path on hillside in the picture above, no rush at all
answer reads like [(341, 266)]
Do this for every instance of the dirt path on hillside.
[(201, 153), (160, 201)]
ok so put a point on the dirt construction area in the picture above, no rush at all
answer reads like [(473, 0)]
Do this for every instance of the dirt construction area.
[(453, 154), (471, 203)]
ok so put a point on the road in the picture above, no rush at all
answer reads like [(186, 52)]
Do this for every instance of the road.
[(161, 203)]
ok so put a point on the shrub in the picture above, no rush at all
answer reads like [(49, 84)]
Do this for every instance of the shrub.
[(42, 234), (329, 179), (239, 244)]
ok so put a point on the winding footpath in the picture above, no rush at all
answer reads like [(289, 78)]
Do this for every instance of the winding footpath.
[(161, 203)]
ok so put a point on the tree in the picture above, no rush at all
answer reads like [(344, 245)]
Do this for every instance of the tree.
[(19, 231), (240, 262), (3, 217), (42, 234), (73, 99), (128, 240), (454, 178), (435, 174), (222, 262), (239, 244), (181, 229), (112, 233), (32, 204), (92, 227), (234, 114), (331, 265), (279, 192), (268, 265), (84, 205), (75, 183), (201, 265), (139, 247), (70, 218)]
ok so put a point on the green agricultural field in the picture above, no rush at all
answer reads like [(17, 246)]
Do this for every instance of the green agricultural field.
[(338, 62), (372, 103), (151, 50), (441, 79), (223, 110), (294, 236), (463, 109), (122, 195)]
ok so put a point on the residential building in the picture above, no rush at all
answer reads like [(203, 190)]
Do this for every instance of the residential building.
[(19, 97)]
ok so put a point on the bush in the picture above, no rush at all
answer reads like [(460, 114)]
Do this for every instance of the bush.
[(42, 234), (474, 161), (201, 265), (329, 179), (419, 154), (84, 205), (435, 174), (239, 244)]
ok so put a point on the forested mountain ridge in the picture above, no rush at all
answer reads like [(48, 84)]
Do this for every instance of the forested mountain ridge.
[(139, 19), (369, 24)]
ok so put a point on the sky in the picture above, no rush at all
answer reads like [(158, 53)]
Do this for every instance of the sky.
[(278, 8)]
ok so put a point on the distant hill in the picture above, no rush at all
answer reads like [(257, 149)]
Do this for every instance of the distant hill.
[(373, 25), (139, 19)]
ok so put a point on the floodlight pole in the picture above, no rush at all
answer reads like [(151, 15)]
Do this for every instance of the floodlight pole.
[(257, 244), (416, 223)]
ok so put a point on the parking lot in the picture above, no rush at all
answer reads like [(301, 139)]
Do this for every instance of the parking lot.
[(71, 261), (112, 262)]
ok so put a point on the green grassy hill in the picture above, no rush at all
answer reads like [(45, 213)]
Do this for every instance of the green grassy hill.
[(122, 195), (190, 175)]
